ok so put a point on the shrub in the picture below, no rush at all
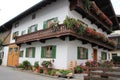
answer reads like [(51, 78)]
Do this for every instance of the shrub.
[(87, 63), (46, 63), (0, 61), (116, 59), (52, 72), (41, 70), (20, 66), (27, 65), (36, 65), (65, 72), (78, 69)]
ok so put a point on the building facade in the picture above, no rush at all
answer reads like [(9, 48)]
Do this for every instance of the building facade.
[(33, 39)]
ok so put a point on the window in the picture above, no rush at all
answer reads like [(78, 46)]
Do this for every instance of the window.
[(16, 24), (30, 52), (114, 54), (82, 53), (33, 28), (16, 49), (1, 55), (33, 16), (103, 56), (15, 34), (48, 23), (48, 52), (21, 54), (10, 50), (23, 32)]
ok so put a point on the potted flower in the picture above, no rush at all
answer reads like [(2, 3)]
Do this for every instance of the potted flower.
[(36, 66), (45, 65)]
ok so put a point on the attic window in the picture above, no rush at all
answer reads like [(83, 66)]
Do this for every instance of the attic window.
[(16, 24), (33, 16)]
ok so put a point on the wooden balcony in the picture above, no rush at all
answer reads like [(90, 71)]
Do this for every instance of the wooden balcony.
[(62, 32), (79, 6)]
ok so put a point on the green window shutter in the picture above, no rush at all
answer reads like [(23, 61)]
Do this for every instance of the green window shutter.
[(28, 29), (53, 51), (78, 52), (36, 25), (26, 52), (55, 19), (44, 24), (42, 52), (33, 52), (86, 51)]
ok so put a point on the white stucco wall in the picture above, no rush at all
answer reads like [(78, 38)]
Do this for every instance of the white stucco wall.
[(57, 9), (72, 52), (61, 53), (5, 49)]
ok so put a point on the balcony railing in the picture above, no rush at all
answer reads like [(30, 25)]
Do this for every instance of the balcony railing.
[(98, 18), (60, 32)]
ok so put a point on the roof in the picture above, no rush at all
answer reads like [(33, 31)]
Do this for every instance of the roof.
[(107, 8), (104, 5)]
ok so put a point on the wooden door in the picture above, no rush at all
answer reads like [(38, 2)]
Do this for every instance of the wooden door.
[(13, 55), (95, 54)]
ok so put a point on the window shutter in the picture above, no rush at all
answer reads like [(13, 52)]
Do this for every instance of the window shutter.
[(36, 25), (55, 19), (86, 50), (33, 52), (53, 51), (44, 24), (78, 52), (42, 52), (26, 52), (28, 29)]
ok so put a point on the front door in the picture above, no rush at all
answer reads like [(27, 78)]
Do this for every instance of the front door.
[(13, 55), (95, 54)]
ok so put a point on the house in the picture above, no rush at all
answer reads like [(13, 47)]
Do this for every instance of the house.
[(116, 37), (5, 33), (43, 32)]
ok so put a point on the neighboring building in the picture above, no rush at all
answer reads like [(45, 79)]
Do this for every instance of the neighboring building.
[(36, 41), (116, 37), (5, 33)]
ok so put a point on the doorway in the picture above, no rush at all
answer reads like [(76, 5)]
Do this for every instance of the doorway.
[(13, 55), (95, 54)]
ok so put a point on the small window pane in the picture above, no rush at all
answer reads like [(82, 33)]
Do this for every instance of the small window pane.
[(10, 50), (33, 16), (83, 53), (15, 34), (103, 56), (21, 54), (16, 49)]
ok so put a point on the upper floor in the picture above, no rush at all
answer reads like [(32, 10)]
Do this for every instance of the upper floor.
[(43, 14)]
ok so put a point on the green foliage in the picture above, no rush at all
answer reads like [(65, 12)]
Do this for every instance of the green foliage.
[(27, 65), (78, 69), (52, 72), (87, 5), (65, 72), (87, 63), (41, 70), (70, 22), (46, 63), (0, 61), (20, 66), (116, 59), (36, 65)]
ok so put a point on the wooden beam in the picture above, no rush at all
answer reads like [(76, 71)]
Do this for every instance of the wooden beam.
[(28, 43), (62, 38), (42, 41)]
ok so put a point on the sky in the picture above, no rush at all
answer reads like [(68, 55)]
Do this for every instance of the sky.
[(11, 8)]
